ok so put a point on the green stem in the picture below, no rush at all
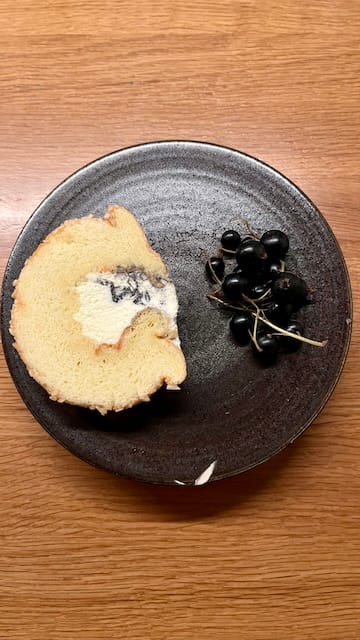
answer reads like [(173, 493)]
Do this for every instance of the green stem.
[(229, 251), (263, 297), (253, 337), (259, 316), (250, 301), (217, 280), (289, 334), (226, 304), (250, 231)]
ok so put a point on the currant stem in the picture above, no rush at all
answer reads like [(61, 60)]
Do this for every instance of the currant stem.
[(283, 332), (229, 251), (260, 316), (250, 231), (250, 301), (253, 337), (226, 304), (263, 297), (217, 280)]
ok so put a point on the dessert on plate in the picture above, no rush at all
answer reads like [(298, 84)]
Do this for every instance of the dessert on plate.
[(94, 314)]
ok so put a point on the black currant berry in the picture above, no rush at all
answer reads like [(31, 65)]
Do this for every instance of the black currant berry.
[(240, 325), (215, 265), (290, 345), (274, 270), (289, 288), (234, 285), (258, 291), (278, 313), (276, 244), (269, 346), (251, 255), (230, 240)]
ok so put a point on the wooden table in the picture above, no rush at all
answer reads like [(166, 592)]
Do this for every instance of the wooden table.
[(273, 554)]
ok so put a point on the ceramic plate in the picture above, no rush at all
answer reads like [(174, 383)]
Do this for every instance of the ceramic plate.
[(230, 409)]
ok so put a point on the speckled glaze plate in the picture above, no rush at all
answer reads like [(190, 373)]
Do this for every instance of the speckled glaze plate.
[(230, 409)]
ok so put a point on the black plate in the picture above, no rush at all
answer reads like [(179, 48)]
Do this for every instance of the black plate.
[(230, 409)]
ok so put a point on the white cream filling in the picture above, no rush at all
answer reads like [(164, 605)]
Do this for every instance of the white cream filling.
[(110, 301)]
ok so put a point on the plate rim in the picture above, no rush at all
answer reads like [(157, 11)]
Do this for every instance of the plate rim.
[(185, 143)]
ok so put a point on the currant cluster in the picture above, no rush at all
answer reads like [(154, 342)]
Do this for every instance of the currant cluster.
[(263, 293)]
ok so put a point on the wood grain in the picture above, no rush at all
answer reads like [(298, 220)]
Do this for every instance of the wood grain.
[(271, 555)]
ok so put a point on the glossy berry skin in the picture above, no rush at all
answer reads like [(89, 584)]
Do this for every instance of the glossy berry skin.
[(234, 285), (247, 239), (269, 348), (240, 325), (279, 314), (218, 267), (276, 243), (251, 255), (256, 274), (289, 344), (289, 288), (230, 240), (258, 291), (274, 270)]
